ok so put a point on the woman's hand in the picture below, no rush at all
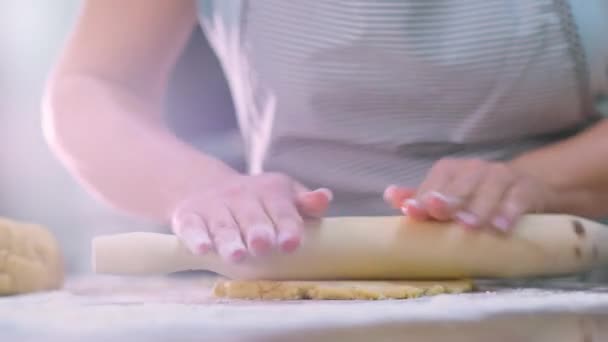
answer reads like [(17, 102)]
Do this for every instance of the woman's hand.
[(248, 215), (474, 192)]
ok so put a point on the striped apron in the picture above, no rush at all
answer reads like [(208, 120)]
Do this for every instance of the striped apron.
[(355, 95)]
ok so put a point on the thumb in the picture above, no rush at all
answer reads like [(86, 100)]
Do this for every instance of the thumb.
[(312, 203)]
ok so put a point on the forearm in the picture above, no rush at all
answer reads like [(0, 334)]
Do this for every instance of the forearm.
[(576, 169), (107, 139)]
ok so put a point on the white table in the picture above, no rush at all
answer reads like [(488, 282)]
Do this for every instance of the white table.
[(95, 308)]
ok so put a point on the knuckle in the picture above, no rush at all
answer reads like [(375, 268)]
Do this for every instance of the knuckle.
[(252, 217), (520, 201), (279, 209), (523, 196), (501, 173), (218, 225), (274, 180), (235, 190), (478, 207), (224, 236), (518, 194), (186, 206), (289, 222), (187, 220), (178, 214), (182, 218), (513, 207), (287, 216), (482, 206)]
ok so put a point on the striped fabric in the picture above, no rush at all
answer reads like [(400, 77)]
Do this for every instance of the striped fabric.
[(591, 22), (358, 94)]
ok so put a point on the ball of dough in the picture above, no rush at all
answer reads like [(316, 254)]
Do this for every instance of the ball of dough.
[(30, 259)]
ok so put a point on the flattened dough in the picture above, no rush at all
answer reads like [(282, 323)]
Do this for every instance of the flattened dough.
[(30, 259), (344, 290)]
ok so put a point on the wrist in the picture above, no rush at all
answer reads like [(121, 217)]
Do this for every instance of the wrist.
[(560, 193)]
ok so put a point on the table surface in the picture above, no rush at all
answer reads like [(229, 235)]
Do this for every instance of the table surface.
[(181, 308)]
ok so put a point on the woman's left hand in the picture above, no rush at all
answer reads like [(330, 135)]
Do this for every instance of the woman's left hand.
[(474, 192)]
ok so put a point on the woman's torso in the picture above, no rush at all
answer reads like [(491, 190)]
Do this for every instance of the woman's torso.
[(356, 95)]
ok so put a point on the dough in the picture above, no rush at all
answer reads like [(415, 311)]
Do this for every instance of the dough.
[(30, 259), (365, 290)]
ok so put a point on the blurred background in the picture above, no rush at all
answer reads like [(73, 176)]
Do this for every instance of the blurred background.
[(33, 185)]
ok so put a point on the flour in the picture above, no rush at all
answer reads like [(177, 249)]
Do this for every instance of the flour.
[(152, 308)]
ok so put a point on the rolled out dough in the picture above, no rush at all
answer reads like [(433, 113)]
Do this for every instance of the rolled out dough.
[(30, 258), (361, 290)]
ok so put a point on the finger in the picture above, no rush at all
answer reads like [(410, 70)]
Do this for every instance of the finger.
[(192, 231), (487, 198), (439, 206), (314, 203), (459, 190), (225, 233), (428, 198), (517, 202), (413, 209), (298, 188), (395, 195), (255, 225), (455, 193), (287, 221)]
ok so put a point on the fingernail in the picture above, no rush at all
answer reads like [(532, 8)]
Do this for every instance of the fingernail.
[(260, 240), (408, 203), (327, 192), (387, 192), (501, 223), (288, 241), (467, 218), (196, 240), (200, 244), (233, 251), (450, 201), (411, 202), (238, 255)]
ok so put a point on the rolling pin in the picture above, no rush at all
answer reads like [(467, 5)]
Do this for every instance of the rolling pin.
[(374, 248)]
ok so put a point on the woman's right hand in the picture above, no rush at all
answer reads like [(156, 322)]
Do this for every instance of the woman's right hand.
[(248, 215)]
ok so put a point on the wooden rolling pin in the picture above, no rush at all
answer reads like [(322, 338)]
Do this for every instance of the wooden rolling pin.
[(381, 248)]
